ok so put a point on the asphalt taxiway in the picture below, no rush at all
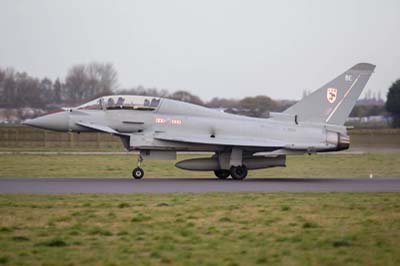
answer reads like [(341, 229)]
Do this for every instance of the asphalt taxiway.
[(191, 185)]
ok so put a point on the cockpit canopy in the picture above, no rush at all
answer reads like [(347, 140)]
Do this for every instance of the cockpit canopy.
[(122, 102)]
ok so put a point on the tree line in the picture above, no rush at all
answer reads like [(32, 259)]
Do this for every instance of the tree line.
[(84, 82)]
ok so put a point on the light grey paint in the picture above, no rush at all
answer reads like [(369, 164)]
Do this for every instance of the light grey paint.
[(346, 88), (315, 124)]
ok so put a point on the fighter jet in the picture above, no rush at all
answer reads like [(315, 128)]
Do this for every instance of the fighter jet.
[(158, 128)]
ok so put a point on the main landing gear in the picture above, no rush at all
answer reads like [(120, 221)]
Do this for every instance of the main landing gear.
[(236, 172), (222, 174), (138, 172)]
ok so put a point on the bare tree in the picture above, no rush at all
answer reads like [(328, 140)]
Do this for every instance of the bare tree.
[(258, 106), (27, 91), (2, 78), (57, 87), (84, 82), (140, 90), (186, 96), (9, 88), (75, 84), (222, 103), (102, 78)]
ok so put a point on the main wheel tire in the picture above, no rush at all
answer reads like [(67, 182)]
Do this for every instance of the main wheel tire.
[(222, 174), (238, 172), (138, 173)]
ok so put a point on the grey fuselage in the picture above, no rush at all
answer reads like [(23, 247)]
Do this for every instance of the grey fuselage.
[(139, 129), (159, 128)]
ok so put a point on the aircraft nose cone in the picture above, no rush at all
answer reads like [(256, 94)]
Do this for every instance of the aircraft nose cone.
[(55, 121)]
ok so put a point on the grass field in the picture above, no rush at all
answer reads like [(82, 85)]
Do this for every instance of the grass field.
[(201, 229), (335, 165)]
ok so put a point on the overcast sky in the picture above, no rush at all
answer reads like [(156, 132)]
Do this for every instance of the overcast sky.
[(216, 48)]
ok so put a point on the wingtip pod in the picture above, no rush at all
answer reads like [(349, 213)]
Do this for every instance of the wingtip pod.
[(363, 67)]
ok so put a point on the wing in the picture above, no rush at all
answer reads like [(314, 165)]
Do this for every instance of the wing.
[(225, 141)]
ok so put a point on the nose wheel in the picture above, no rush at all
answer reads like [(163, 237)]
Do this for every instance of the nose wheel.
[(138, 172)]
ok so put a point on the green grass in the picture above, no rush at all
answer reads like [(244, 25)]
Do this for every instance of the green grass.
[(201, 229), (339, 165)]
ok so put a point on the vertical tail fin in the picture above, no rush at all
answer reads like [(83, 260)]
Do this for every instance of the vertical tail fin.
[(333, 102)]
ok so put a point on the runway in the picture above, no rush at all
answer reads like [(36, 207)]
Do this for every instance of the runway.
[(190, 185)]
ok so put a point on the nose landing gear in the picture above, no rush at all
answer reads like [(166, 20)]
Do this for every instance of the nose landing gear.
[(138, 172)]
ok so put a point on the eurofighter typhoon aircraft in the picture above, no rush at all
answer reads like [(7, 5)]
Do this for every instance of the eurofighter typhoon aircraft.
[(159, 128)]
